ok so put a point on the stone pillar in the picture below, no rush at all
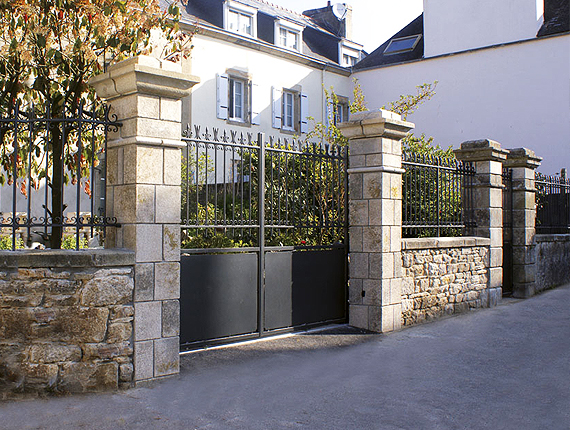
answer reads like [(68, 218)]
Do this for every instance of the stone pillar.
[(523, 162), (488, 203), (375, 219), (143, 190)]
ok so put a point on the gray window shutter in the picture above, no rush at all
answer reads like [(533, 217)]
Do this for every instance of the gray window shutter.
[(304, 113), (256, 104), (277, 95), (222, 94)]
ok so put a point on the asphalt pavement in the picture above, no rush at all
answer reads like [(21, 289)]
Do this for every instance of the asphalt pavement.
[(502, 368)]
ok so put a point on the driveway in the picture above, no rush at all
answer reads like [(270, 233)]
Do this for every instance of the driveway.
[(501, 368)]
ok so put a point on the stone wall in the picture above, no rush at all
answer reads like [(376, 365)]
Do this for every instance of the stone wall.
[(552, 260), (443, 276), (66, 321)]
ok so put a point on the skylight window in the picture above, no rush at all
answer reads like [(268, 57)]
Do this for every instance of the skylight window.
[(402, 44)]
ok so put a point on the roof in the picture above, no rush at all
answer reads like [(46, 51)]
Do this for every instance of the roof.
[(379, 58), (556, 17)]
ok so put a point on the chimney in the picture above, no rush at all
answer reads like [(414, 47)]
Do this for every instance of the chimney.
[(325, 18)]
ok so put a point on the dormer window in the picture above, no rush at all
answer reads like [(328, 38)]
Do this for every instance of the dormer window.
[(239, 18), (288, 35), (402, 44), (349, 53)]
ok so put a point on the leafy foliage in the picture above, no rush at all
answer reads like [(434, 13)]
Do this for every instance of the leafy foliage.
[(407, 104), (48, 52)]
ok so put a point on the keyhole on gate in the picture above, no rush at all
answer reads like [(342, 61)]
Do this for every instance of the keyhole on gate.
[(363, 293)]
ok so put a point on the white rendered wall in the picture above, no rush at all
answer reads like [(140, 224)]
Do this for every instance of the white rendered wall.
[(457, 25), (518, 95), (211, 56)]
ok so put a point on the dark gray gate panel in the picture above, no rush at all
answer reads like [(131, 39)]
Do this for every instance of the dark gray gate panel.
[(218, 296), (304, 287), (278, 290)]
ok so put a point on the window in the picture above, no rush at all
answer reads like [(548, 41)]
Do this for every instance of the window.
[(288, 34), (236, 108), (402, 44), (240, 22), (290, 110), (348, 61), (289, 39), (349, 53), (240, 18), (237, 98)]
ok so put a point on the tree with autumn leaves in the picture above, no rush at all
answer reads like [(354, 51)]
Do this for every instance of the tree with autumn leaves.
[(49, 49)]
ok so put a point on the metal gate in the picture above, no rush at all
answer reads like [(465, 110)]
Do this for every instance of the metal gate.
[(264, 236), (507, 231)]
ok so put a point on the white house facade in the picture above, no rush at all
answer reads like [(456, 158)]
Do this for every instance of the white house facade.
[(263, 68), (503, 72)]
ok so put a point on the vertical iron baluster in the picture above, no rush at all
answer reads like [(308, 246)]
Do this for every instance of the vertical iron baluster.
[(31, 118), (15, 175)]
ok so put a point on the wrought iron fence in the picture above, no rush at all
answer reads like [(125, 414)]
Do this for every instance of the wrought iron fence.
[(437, 196), (52, 176), (552, 203), (240, 187)]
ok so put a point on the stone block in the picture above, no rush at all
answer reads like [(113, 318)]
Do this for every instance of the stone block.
[(355, 186), (372, 185), (358, 265), (144, 360), (126, 372), (119, 332), (355, 239), (167, 281), (170, 110), (145, 240), (495, 296), (109, 290), (53, 353), (113, 177), (106, 351), (391, 318), (496, 257), (355, 291), (355, 161), (523, 200), (141, 166), (358, 316), (372, 292), (523, 274), (148, 320), (87, 377), (373, 239), (70, 324), (172, 166), (375, 212), (134, 203), (495, 277), (358, 213), (171, 242), (365, 146), (170, 318), (395, 239), (144, 282), (136, 105), (167, 204), (166, 356), (149, 128), (40, 376)]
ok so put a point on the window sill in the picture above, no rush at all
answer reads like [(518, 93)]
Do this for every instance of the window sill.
[(237, 122)]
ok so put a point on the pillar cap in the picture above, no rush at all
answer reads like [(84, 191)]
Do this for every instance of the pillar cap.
[(143, 75), (522, 157), (481, 150), (376, 123)]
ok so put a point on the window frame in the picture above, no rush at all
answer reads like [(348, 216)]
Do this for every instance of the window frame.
[(231, 6), (293, 96), (244, 106), (290, 28), (399, 39)]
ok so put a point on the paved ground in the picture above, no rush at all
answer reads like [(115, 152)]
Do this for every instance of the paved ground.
[(501, 368)]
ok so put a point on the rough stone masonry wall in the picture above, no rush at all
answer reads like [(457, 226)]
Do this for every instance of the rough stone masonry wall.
[(552, 260), (443, 276), (66, 321)]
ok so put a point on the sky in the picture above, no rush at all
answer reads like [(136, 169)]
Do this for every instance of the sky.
[(374, 21)]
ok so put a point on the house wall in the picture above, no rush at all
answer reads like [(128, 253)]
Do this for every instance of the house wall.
[(211, 56), (552, 260), (515, 94), (453, 26), (443, 276)]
